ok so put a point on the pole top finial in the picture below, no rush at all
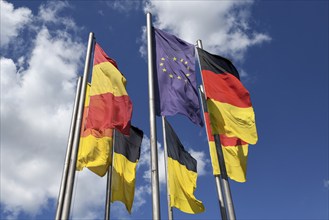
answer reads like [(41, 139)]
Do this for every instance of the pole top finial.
[(199, 43)]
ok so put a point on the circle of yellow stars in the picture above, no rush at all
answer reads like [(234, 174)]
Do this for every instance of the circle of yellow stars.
[(171, 75)]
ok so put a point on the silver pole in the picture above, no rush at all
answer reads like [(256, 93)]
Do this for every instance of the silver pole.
[(226, 185), (76, 140), (153, 138), (224, 178), (220, 197), (109, 182), (199, 44), (68, 152), (108, 194), (170, 212), (217, 177)]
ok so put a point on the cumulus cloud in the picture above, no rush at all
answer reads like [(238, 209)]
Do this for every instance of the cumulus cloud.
[(37, 91), (36, 106), (89, 196), (12, 21), (51, 13), (202, 161), (223, 26)]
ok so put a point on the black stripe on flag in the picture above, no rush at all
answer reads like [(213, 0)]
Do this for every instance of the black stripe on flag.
[(216, 64), (129, 146), (176, 150)]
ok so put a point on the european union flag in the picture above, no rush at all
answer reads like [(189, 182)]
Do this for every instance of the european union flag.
[(175, 81)]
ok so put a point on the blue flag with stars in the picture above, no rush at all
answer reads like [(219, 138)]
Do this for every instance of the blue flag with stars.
[(175, 80)]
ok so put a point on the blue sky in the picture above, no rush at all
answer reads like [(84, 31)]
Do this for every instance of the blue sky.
[(279, 47)]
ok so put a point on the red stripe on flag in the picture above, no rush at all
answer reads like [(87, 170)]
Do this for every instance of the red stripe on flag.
[(84, 119), (231, 141), (97, 134), (226, 88), (225, 141), (109, 111), (100, 56), (210, 135)]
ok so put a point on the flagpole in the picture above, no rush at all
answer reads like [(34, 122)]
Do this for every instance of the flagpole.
[(226, 185), (220, 197), (109, 182), (68, 153), (153, 138), (76, 140), (170, 212), (222, 167), (217, 177)]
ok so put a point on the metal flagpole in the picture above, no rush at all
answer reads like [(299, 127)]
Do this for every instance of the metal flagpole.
[(153, 138), (217, 177), (76, 139), (109, 182), (222, 167), (226, 186), (170, 212), (68, 153), (220, 197)]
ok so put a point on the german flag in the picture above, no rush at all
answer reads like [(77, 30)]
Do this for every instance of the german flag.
[(230, 109), (182, 175), (235, 153), (95, 145), (110, 105), (126, 156), (107, 106)]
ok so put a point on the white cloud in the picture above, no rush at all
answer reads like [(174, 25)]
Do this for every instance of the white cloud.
[(36, 105), (8, 81), (12, 21), (89, 197), (124, 5), (143, 190), (202, 161), (142, 40), (49, 12), (145, 157), (223, 26), (37, 91), (140, 193)]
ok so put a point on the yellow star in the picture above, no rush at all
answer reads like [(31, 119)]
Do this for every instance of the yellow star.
[(174, 58), (187, 74), (179, 77), (164, 70), (163, 58), (185, 62), (161, 64), (171, 76), (181, 60)]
